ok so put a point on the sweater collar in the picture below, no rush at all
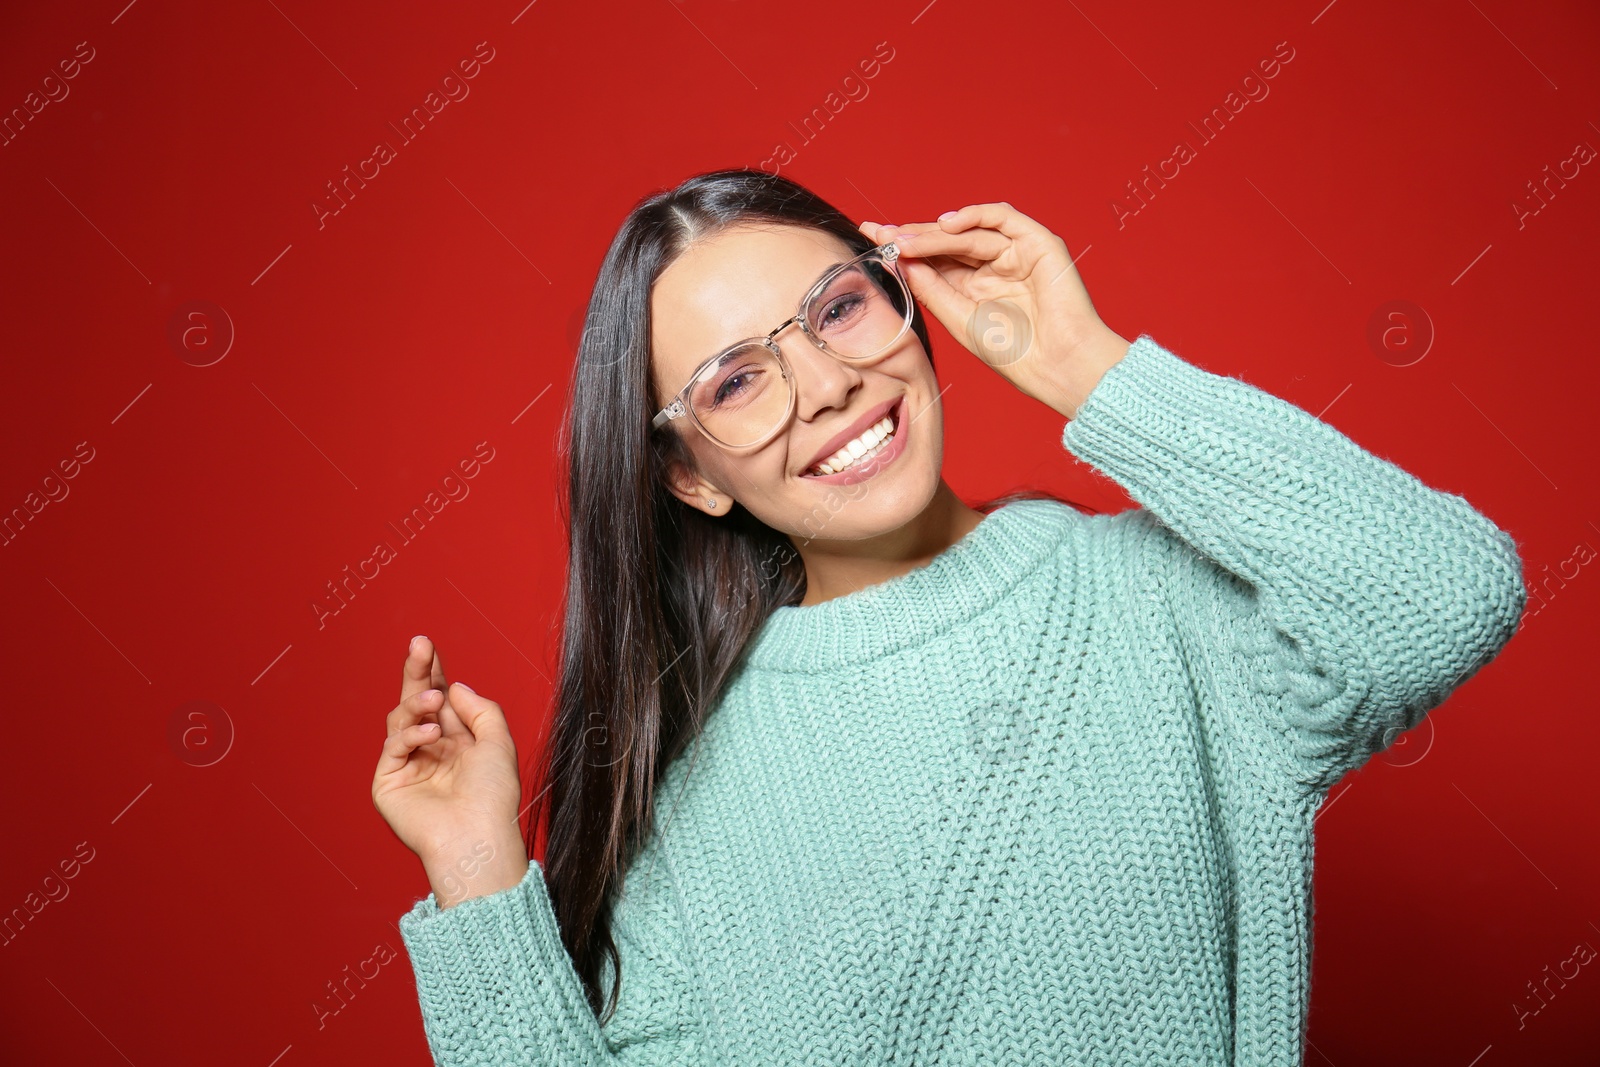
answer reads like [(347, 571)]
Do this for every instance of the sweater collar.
[(908, 609)]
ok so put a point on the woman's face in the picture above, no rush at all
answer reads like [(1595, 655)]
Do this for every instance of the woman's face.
[(740, 284)]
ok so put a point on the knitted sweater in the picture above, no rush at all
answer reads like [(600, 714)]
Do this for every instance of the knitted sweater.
[(1047, 798)]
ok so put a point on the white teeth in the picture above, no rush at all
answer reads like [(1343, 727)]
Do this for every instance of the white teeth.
[(861, 446)]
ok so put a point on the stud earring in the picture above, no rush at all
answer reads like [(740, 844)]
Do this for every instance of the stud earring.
[(710, 503)]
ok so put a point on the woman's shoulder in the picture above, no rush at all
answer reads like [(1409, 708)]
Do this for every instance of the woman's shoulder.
[(1074, 530), (1099, 555), (1032, 519)]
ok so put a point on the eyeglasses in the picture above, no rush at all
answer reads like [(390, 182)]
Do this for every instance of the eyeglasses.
[(741, 397)]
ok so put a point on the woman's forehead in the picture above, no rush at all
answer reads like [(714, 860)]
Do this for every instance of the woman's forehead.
[(740, 283)]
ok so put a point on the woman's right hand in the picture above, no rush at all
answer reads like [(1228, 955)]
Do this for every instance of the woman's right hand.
[(447, 780)]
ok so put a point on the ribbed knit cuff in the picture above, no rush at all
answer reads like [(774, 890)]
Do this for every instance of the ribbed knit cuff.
[(496, 963), (1149, 364), (1167, 430), (1151, 394)]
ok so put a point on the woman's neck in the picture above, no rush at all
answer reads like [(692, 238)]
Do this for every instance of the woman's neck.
[(836, 568)]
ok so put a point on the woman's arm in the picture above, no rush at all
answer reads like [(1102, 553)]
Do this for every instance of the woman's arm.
[(496, 986), (1341, 586), (1333, 579)]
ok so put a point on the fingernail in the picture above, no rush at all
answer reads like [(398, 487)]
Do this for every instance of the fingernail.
[(468, 688), (417, 638), (904, 236), (947, 216)]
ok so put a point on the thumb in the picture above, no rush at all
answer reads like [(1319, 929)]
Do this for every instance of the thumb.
[(479, 714), (951, 307)]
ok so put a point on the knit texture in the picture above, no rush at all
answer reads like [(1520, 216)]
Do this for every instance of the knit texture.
[(1046, 799)]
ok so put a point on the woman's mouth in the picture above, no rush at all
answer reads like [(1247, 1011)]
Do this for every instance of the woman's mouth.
[(865, 456)]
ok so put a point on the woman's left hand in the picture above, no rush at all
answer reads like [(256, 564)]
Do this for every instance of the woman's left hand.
[(1005, 287)]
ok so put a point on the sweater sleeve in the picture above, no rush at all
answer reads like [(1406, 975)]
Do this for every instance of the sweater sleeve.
[(1336, 587), (496, 987)]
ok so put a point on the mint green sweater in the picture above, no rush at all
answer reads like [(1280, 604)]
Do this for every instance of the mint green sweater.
[(1046, 799)]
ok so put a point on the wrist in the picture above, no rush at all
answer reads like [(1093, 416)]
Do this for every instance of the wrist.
[(1073, 378), (475, 865)]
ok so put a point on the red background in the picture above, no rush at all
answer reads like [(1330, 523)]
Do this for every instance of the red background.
[(439, 309)]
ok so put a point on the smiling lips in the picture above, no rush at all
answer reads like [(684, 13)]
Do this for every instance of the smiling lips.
[(869, 437)]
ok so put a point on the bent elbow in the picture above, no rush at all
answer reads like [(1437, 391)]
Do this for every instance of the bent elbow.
[(1479, 604)]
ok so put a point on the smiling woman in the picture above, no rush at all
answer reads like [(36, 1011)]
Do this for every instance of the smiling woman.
[(936, 783)]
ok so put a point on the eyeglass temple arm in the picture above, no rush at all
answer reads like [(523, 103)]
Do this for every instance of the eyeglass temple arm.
[(666, 414)]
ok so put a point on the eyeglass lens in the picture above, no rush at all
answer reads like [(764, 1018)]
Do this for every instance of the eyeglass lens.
[(856, 315)]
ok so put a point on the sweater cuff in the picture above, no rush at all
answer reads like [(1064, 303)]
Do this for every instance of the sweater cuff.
[(1176, 437), (468, 958), (1149, 392)]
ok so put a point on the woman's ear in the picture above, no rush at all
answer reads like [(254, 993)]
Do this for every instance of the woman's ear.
[(694, 490)]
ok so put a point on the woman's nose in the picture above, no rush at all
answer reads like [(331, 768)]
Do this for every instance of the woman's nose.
[(821, 380)]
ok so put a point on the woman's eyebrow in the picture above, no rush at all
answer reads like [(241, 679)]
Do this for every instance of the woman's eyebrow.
[(824, 273)]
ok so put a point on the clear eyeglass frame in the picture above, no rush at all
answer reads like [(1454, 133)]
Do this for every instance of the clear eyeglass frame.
[(678, 408)]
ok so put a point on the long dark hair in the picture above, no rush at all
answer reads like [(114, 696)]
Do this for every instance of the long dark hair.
[(661, 599)]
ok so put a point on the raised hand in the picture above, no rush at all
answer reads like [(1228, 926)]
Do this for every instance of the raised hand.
[(447, 781), (964, 265)]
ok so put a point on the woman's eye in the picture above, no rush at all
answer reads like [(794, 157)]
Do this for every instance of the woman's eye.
[(729, 387), (840, 309), (737, 384)]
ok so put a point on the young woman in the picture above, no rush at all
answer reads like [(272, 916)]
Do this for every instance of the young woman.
[(1000, 785)]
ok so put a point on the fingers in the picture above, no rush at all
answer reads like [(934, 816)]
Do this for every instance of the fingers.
[(959, 275), (871, 229), (438, 678), (479, 718), (418, 673), (424, 669), (974, 235), (973, 246), (417, 708), (934, 291), (398, 747), (920, 249), (479, 714), (881, 234), (998, 216)]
